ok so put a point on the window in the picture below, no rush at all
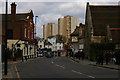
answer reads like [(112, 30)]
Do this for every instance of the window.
[(28, 33), (10, 34), (40, 46), (18, 45), (25, 32), (60, 47), (55, 47), (31, 24), (32, 36)]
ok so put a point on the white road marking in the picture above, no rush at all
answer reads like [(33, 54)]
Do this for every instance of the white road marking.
[(60, 66), (76, 72), (82, 74), (17, 72), (55, 57), (52, 62), (90, 76)]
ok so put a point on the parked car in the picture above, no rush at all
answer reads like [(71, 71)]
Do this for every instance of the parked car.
[(40, 53), (49, 54)]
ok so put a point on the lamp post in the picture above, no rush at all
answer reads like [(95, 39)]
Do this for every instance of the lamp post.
[(35, 47), (5, 56), (35, 26)]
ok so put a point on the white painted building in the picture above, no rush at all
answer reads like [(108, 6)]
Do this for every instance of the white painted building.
[(41, 43), (56, 44), (23, 45), (52, 40), (59, 45), (47, 44)]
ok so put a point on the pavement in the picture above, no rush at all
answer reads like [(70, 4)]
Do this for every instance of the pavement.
[(93, 63), (12, 72)]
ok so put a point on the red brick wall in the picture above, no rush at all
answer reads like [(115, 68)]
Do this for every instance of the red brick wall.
[(18, 28)]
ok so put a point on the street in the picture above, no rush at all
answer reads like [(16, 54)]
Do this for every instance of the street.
[(61, 67)]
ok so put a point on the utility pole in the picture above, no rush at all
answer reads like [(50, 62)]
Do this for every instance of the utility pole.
[(5, 61)]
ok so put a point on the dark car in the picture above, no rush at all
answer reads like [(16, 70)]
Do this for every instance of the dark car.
[(49, 54)]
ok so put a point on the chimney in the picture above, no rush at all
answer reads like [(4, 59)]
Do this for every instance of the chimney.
[(80, 24), (13, 8)]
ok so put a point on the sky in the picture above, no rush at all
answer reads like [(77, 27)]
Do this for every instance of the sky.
[(50, 10)]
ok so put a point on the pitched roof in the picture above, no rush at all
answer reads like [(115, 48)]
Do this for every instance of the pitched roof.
[(47, 42), (18, 16), (21, 16), (59, 41), (102, 16), (58, 38), (76, 32), (50, 37)]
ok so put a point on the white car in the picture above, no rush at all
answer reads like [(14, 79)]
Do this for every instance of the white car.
[(40, 54)]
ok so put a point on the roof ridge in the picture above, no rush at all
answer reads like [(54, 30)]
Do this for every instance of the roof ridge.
[(106, 5)]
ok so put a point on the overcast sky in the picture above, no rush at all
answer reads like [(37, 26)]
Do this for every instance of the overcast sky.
[(51, 11)]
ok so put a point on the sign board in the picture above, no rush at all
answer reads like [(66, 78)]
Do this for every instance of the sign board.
[(81, 46), (74, 39)]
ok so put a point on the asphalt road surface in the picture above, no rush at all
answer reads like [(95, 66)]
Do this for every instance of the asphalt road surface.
[(61, 67)]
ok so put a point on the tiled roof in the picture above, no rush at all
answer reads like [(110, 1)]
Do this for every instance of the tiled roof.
[(50, 37), (47, 42), (76, 32), (59, 41), (102, 16), (18, 16)]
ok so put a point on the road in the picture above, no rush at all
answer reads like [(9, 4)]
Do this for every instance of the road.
[(61, 67)]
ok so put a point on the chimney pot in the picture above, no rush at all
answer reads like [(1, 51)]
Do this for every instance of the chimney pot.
[(13, 8)]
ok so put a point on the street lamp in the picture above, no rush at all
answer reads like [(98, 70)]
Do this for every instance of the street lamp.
[(35, 47), (35, 26), (5, 56)]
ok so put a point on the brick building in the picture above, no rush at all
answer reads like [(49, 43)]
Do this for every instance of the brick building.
[(20, 30)]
